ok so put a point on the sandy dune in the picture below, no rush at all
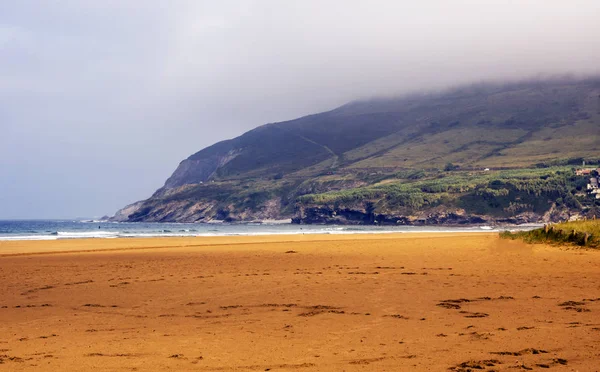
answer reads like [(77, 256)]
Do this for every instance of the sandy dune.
[(406, 302)]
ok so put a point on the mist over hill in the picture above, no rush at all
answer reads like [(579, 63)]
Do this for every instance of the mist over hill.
[(419, 158)]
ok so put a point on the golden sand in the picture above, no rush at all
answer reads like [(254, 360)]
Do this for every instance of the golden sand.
[(397, 302)]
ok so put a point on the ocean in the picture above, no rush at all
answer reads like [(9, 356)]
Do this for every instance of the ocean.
[(73, 229)]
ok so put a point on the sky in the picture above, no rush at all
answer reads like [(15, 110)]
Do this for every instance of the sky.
[(100, 100)]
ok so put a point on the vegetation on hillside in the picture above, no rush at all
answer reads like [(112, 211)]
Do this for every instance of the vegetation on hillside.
[(498, 193), (486, 125)]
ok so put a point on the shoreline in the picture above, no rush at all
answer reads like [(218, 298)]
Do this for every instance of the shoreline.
[(10, 248), (113, 231)]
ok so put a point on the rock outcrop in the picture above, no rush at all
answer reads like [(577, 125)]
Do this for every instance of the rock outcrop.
[(193, 171)]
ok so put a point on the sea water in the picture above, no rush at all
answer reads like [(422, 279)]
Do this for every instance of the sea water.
[(73, 229)]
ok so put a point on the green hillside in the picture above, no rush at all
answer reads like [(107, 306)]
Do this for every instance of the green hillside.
[(402, 160)]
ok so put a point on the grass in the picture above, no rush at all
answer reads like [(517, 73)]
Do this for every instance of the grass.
[(515, 125), (581, 233), (501, 193)]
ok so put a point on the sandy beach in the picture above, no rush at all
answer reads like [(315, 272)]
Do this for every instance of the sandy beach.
[(389, 302)]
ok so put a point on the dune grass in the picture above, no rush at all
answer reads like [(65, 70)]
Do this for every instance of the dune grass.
[(581, 233)]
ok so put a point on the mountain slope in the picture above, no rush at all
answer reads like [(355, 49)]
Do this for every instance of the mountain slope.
[(265, 172)]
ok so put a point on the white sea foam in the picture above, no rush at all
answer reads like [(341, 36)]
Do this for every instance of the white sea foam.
[(28, 237), (132, 231), (86, 234), (156, 235)]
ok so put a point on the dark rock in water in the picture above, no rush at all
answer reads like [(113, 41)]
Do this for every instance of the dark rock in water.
[(321, 215)]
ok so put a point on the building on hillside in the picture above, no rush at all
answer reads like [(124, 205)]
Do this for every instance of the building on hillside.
[(584, 172), (593, 185)]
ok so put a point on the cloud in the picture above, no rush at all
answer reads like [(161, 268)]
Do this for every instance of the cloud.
[(121, 91)]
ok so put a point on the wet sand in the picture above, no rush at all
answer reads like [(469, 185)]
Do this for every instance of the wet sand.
[(392, 302)]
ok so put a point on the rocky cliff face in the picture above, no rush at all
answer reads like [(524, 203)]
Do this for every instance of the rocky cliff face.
[(435, 216), (193, 171), (271, 209), (199, 211), (122, 215)]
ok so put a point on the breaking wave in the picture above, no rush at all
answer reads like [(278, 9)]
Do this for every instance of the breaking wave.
[(55, 230)]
